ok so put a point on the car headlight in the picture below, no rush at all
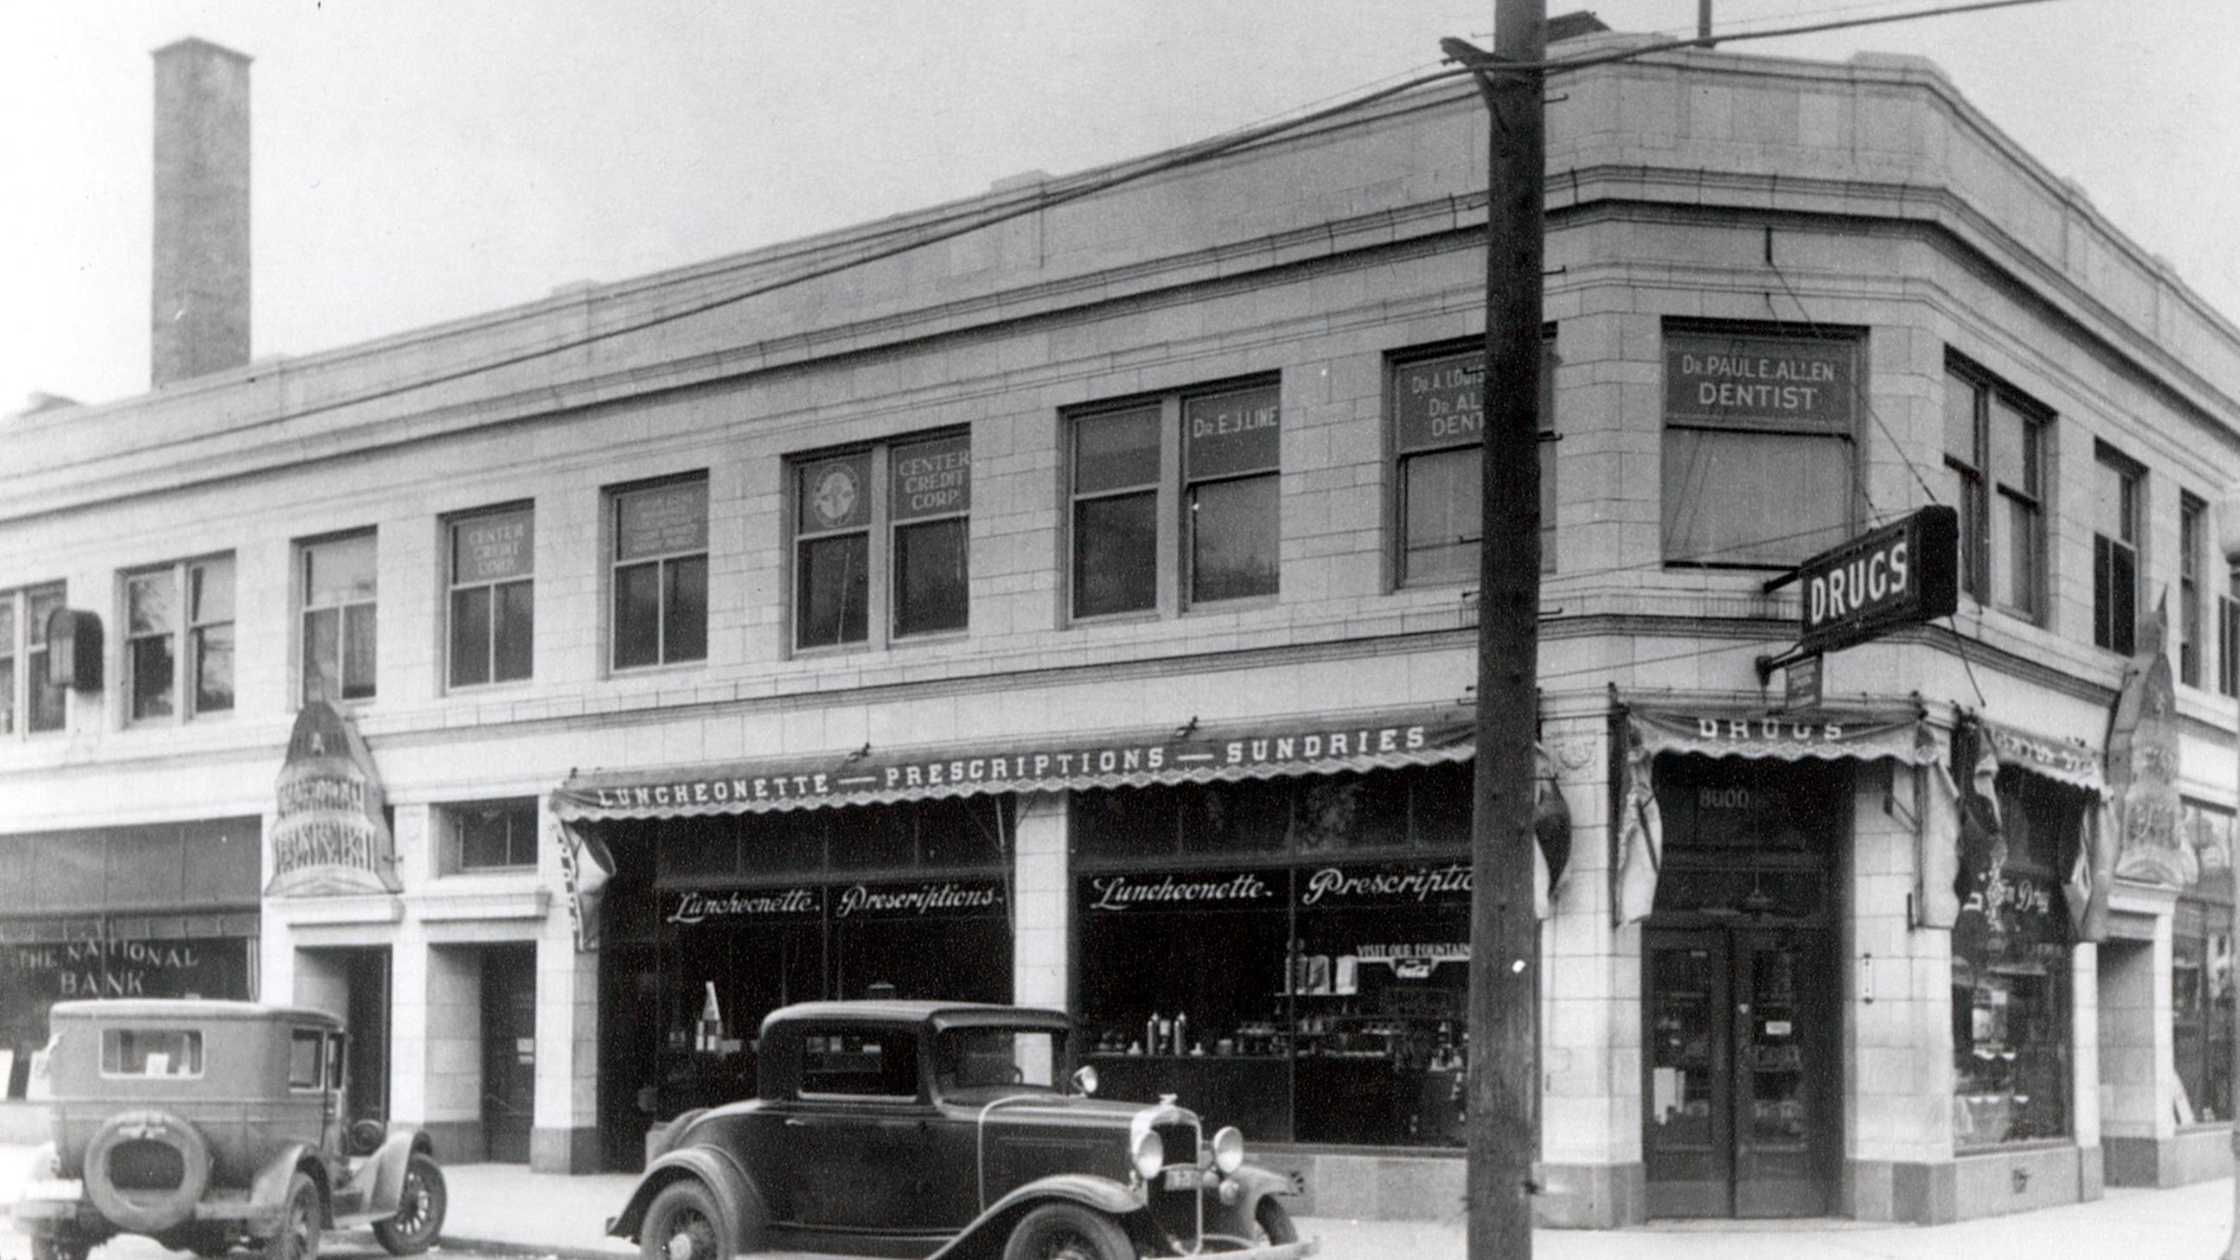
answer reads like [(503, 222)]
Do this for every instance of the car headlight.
[(1150, 1154), (1228, 1150)]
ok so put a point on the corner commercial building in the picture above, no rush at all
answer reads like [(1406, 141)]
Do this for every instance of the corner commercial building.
[(1076, 610)]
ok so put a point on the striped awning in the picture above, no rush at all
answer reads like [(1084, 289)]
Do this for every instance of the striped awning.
[(1188, 754), (1822, 735)]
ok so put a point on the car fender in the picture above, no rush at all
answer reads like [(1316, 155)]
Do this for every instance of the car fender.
[(379, 1177), (268, 1193), (1123, 1203), (735, 1191), (1254, 1183)]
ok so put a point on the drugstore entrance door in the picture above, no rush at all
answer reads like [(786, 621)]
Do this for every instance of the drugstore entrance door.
[(1739, 1096)]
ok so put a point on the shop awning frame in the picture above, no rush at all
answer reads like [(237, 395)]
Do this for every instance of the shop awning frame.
[(1190, 753), (1822, 735)]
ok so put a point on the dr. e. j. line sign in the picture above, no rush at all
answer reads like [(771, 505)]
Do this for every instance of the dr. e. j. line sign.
[(1904, 572)]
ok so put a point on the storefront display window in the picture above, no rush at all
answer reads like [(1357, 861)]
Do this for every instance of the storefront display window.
[(2010, 966), (752, 912), (1290, 954), (2201, 979)]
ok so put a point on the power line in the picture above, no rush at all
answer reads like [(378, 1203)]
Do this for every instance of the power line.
[(1047, 196)]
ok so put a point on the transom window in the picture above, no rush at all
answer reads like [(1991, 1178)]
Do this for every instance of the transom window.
[(28, 702), (491, 835), (1994, 458), (493, 596), (661, 574), (900, 508), (337, 596), (1160, 525), (179, 639), (2192, 537)]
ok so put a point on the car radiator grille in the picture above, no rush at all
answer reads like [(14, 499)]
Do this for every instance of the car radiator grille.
[(146, 1166), (1177, 1210)]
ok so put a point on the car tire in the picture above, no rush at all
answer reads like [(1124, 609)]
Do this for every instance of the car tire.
[(684, 1222), (1067, 1231), (146, 1211), (421, 1202), (298, 1238), (1275, 1224)]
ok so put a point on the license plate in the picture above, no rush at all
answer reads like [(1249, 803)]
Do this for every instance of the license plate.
[(1182, 1179)]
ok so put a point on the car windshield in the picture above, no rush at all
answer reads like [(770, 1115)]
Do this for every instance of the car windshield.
[(997, 1060)]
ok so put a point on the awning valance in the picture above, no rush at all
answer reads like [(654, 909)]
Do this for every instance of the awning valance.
[(1825, 735), (2060, 760), (1190, 754)]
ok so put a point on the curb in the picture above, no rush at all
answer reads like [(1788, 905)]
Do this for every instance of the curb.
[(515, 1247)]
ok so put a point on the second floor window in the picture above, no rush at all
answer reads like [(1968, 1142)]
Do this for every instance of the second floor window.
[(337, 596), (1759, 454), (2117, 489), (2228, 642), (179, 639), (1994, 457), (2193, 517), (661, 574), (846, 532), (493, 596), (1159, 525), (27, 701), (1438, 422)]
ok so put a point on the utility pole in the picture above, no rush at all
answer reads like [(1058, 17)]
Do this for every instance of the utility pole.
[(1503, 1091)]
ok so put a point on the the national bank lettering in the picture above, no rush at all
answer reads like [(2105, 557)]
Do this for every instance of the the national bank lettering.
[(1011, 769)]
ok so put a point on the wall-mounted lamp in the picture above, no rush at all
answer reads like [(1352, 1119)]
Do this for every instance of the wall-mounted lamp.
[(74, 650)]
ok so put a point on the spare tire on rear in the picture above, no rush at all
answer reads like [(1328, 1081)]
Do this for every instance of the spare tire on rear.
[(146, 1170)]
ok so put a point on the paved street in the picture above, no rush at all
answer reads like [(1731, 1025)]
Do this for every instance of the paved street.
[(503, 1209)]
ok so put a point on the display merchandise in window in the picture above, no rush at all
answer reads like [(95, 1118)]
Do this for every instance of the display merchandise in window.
[(1293, 953), (2011, 1003)]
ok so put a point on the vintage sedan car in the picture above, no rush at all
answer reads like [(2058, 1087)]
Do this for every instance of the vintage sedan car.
[(896, 1128), (206, 1124)]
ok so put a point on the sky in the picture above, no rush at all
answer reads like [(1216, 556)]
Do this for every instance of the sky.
[(419, 160)]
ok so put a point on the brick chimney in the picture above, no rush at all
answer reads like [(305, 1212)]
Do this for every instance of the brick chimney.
[(200, 309)]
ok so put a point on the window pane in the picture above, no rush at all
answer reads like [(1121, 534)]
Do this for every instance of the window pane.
[(357, 652), (2013, 448), (2017, 534), (470, 636), (1753, 498), (1441, 515), (7, 695), (151, 608), (516, 630), (152, 676), (488, 548), (1115, 554), (684, 621), (835, 588), (322, 659), (496, 835), (929, 577), (1233, 539), (213, 666), (1117, 450), (47, 700), (210, 591), (7, 626), (662, 520), (637, 615), (1960, 419), (338, 572)]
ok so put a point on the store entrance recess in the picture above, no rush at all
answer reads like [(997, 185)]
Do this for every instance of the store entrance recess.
[(1739, 1116)]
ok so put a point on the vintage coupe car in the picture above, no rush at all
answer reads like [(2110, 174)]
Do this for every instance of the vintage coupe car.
[(896, 1128), (205, 1124)]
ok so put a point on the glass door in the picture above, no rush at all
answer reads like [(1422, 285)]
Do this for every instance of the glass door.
[(1687, 1114), (1741, 1069)]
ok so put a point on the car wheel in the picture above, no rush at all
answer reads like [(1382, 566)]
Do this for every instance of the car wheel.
[(298, 1238), (1273, 1223), (684, 1223), (420, 1206), (1067, 1231)]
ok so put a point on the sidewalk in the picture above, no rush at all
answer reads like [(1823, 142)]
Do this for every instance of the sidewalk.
[(506, 1208)]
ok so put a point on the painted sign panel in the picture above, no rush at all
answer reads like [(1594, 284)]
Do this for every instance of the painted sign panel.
[(329, 835), (835, 493), (1228, 434), (1439, 402), (490, 548), (1905, 572), (1740, 379), (931, 478), (662, 521)]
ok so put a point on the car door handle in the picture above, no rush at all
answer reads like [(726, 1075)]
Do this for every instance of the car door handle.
[(796, 1122)]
